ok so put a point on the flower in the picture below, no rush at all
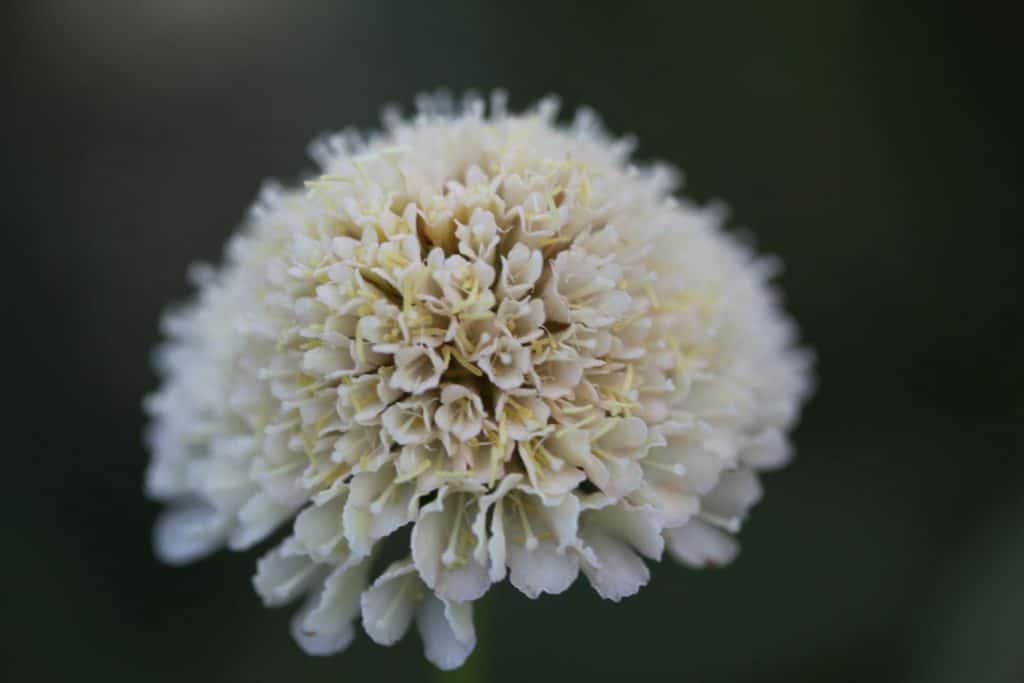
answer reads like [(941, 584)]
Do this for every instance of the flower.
[(488, 329)]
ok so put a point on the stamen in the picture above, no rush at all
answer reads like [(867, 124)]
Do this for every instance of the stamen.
[(449, 352), (649, 290), (413, 473), (678, 469), (531, 540), (377, 506), (570, 409), (449, 558), (608, 426)]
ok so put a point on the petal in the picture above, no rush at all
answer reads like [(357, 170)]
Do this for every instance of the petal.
[(698, 544), (318, 528), (767, 451), (417, 369), (624, 477), (327, 361), (226, 481), (410, 422), (497, 547), (640, 527), (375, 508), (166, 477), (258, 519), (573, 446), (701, 467), (675, 508), (444, 562), (628, 435), (320, 644), (428, 539), (728, 503), (483, 548), (548, 482), (388, 606), (614, 570), (280, 577), (541, 570), (279, 479), (447, 632), (188, 533), (562, 519), (324, 625), (463, 582)]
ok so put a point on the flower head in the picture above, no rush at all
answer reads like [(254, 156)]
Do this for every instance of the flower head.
[(488, 328)]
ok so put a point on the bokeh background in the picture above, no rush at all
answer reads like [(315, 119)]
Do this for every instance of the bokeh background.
[(874, 146)]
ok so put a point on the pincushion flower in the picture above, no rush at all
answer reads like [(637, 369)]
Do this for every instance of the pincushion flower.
[(488, 342)]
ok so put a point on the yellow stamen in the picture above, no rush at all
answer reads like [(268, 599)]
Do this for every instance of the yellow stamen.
[(608, 426), (651, 294), (413, 473), (449, 352)]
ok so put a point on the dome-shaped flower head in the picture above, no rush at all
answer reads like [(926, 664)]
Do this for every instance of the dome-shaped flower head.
[(487, 342)]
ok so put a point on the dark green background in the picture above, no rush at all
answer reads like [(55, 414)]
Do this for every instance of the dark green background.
[(874, 147)]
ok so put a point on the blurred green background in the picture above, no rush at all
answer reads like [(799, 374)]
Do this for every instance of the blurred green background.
[(874, 146)]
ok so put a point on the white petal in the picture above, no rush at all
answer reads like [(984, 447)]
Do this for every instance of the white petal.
[(766, 451), (547, 481), (698, 544), (428, 538), (573, 446), (166, 477), (324, 625), (563, 521), (624, 477), (417, 369), (627, 436), (388, 606), (463, 582), (506, 363), (375, 508), (699, 468), (728, 503), (614, 570), (329, 362), (226, 481), (640, 527), (258, 519), (484, 548), (186, 534), (675, 507), (497, 547), (541, 570), (411, 421), (442, 559), (318, 528), (447, 632), (320, 644), (280, 577)]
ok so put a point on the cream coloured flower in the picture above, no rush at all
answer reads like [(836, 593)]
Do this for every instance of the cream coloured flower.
[(489, 329)]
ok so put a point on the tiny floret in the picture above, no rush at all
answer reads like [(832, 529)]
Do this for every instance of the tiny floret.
[(487, 341)]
